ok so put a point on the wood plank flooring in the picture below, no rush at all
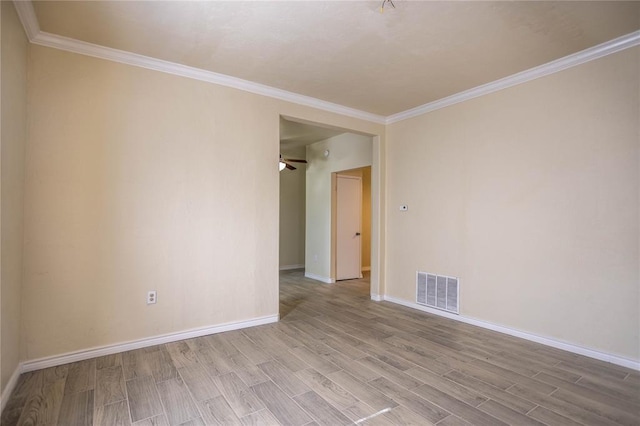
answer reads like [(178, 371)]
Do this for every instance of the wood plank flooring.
[(335, 358)]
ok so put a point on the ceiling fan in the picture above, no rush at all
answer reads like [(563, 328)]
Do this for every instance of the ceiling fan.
[(285, 163)]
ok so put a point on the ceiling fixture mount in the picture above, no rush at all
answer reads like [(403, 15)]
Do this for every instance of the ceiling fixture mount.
[(386, 2)]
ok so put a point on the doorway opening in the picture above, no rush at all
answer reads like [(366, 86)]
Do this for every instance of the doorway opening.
[(294, 139), (307, 205)]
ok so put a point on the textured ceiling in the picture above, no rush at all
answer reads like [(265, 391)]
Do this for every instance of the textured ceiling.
[(347, 52)]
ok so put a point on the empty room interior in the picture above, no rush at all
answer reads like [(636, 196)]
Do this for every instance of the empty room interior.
[(320, 213)]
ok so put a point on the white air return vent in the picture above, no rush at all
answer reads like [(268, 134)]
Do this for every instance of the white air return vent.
[(437, 291)]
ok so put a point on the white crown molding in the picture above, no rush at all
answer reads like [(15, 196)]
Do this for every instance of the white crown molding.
[(28, 18), (90, 49), (591, 353), (10, 386), (54, 361), (30, 23), (595, 52)]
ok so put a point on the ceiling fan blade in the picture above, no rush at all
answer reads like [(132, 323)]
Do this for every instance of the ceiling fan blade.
[(295, 161), (290, 167)]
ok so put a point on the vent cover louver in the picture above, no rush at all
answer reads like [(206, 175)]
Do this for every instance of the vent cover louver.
[(437, 291)]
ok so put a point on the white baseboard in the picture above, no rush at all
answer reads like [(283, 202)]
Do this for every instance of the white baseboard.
[(8, 389), (366, 268), (376, 297), (289, 267), (602, 356), (56, 360), (319, 278)]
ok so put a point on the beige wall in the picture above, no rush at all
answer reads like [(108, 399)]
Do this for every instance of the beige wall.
[(292, 215), (13, 87), (347, 151), (130, 187), (530, 196)]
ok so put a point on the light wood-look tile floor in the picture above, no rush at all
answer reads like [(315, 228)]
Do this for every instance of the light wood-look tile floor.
[(335, 358)]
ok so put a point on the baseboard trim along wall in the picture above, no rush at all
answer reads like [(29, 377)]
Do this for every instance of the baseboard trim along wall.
[(614, 359), (326, 280), (11, 385), (376, 297), (289, 267), (56, 360)]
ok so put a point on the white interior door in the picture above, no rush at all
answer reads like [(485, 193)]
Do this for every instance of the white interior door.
[(348, 223)]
